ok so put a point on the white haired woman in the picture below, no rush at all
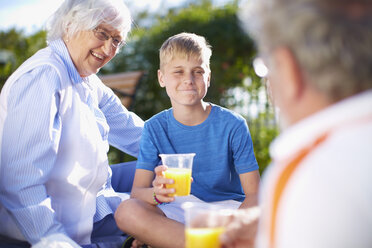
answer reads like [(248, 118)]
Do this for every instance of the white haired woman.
[(57, 120)]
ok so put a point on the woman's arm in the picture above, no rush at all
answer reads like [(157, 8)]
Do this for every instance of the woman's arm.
[(30, 143), (125, 126)]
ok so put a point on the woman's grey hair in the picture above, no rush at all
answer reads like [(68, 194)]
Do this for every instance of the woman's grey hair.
[(331, 39), (77, 15)]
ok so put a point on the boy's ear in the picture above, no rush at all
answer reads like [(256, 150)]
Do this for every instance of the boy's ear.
[(160, 78)]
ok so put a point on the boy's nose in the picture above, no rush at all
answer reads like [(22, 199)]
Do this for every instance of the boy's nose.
[(188, 78)]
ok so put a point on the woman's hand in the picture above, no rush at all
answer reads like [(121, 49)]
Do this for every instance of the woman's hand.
[(161, 192)]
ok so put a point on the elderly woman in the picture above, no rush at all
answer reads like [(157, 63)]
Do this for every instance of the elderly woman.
[(57, 120)]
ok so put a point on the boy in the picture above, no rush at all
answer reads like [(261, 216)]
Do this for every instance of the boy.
[(224, 169)]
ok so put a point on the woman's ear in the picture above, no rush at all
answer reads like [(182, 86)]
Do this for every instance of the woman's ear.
[(160, 78)]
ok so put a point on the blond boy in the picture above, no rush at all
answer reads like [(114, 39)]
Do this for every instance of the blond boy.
[(224, 169)]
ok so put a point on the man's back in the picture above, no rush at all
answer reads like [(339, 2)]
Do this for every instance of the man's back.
[(322, 191)]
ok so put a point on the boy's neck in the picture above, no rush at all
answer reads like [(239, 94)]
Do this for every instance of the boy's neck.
[(192, 115)]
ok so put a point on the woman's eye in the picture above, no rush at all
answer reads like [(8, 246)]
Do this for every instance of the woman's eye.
[(116, 41), (103, 34)]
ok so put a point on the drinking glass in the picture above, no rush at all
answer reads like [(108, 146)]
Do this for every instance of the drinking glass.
[(179, 169)]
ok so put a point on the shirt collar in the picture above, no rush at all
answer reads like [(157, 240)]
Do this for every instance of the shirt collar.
[(307, 130), (59, 47)]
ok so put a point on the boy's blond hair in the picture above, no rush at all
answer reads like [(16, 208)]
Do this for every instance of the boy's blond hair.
[(185, 45)]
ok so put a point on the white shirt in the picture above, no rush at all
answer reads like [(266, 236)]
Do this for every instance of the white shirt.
[(327, 200), (55, 130)]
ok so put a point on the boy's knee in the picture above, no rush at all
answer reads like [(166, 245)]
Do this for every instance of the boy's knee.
[(128, 213)]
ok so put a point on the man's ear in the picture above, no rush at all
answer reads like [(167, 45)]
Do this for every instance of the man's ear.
[(291, 73), (160, 78), (209, 79)]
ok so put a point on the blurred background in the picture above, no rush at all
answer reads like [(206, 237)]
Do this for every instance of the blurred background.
[(234, 83)]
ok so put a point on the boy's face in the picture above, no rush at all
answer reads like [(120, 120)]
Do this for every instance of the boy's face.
[(185, 80)]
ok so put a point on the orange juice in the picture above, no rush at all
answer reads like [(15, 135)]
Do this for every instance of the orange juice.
[(203, 237), (182, 180)]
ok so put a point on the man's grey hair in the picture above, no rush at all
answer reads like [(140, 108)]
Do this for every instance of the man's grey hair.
[(77, 15), (331, 39)]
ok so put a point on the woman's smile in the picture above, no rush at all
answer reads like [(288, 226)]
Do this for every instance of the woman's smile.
[(97, 56)]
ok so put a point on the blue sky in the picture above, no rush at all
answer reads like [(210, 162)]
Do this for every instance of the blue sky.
[(31, 15)]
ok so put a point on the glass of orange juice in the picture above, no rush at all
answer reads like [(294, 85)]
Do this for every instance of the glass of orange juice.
[(203, 226), (179, 169)]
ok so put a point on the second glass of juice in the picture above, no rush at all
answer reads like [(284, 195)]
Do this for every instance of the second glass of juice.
[(203, 226), (179, 169)]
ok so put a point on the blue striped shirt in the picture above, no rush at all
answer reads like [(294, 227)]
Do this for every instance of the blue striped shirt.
[(55, 131)]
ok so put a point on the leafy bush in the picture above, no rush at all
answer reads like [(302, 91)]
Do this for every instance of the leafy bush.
[(231, 63), (233, 52)]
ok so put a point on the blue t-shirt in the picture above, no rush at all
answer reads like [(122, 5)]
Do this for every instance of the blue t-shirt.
[(222, 144)]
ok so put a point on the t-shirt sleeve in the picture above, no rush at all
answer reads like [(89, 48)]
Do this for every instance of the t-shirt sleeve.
[(242, 149)]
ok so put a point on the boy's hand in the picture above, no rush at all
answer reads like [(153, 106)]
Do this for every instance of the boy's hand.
[(159, 183)]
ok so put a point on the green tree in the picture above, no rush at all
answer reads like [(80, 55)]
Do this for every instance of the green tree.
[(15, 48), (233, 52), (231, 64)]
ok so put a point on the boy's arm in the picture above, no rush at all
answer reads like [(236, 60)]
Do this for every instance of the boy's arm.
[(144, 186), (250, 182)]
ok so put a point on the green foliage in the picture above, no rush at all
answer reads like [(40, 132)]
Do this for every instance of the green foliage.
[(263, 131), (15, 48), (233, 52)]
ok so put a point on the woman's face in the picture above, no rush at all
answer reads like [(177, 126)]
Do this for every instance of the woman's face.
[(89, 53)]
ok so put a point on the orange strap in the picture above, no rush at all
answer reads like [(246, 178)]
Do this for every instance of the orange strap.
[(283, 180)]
